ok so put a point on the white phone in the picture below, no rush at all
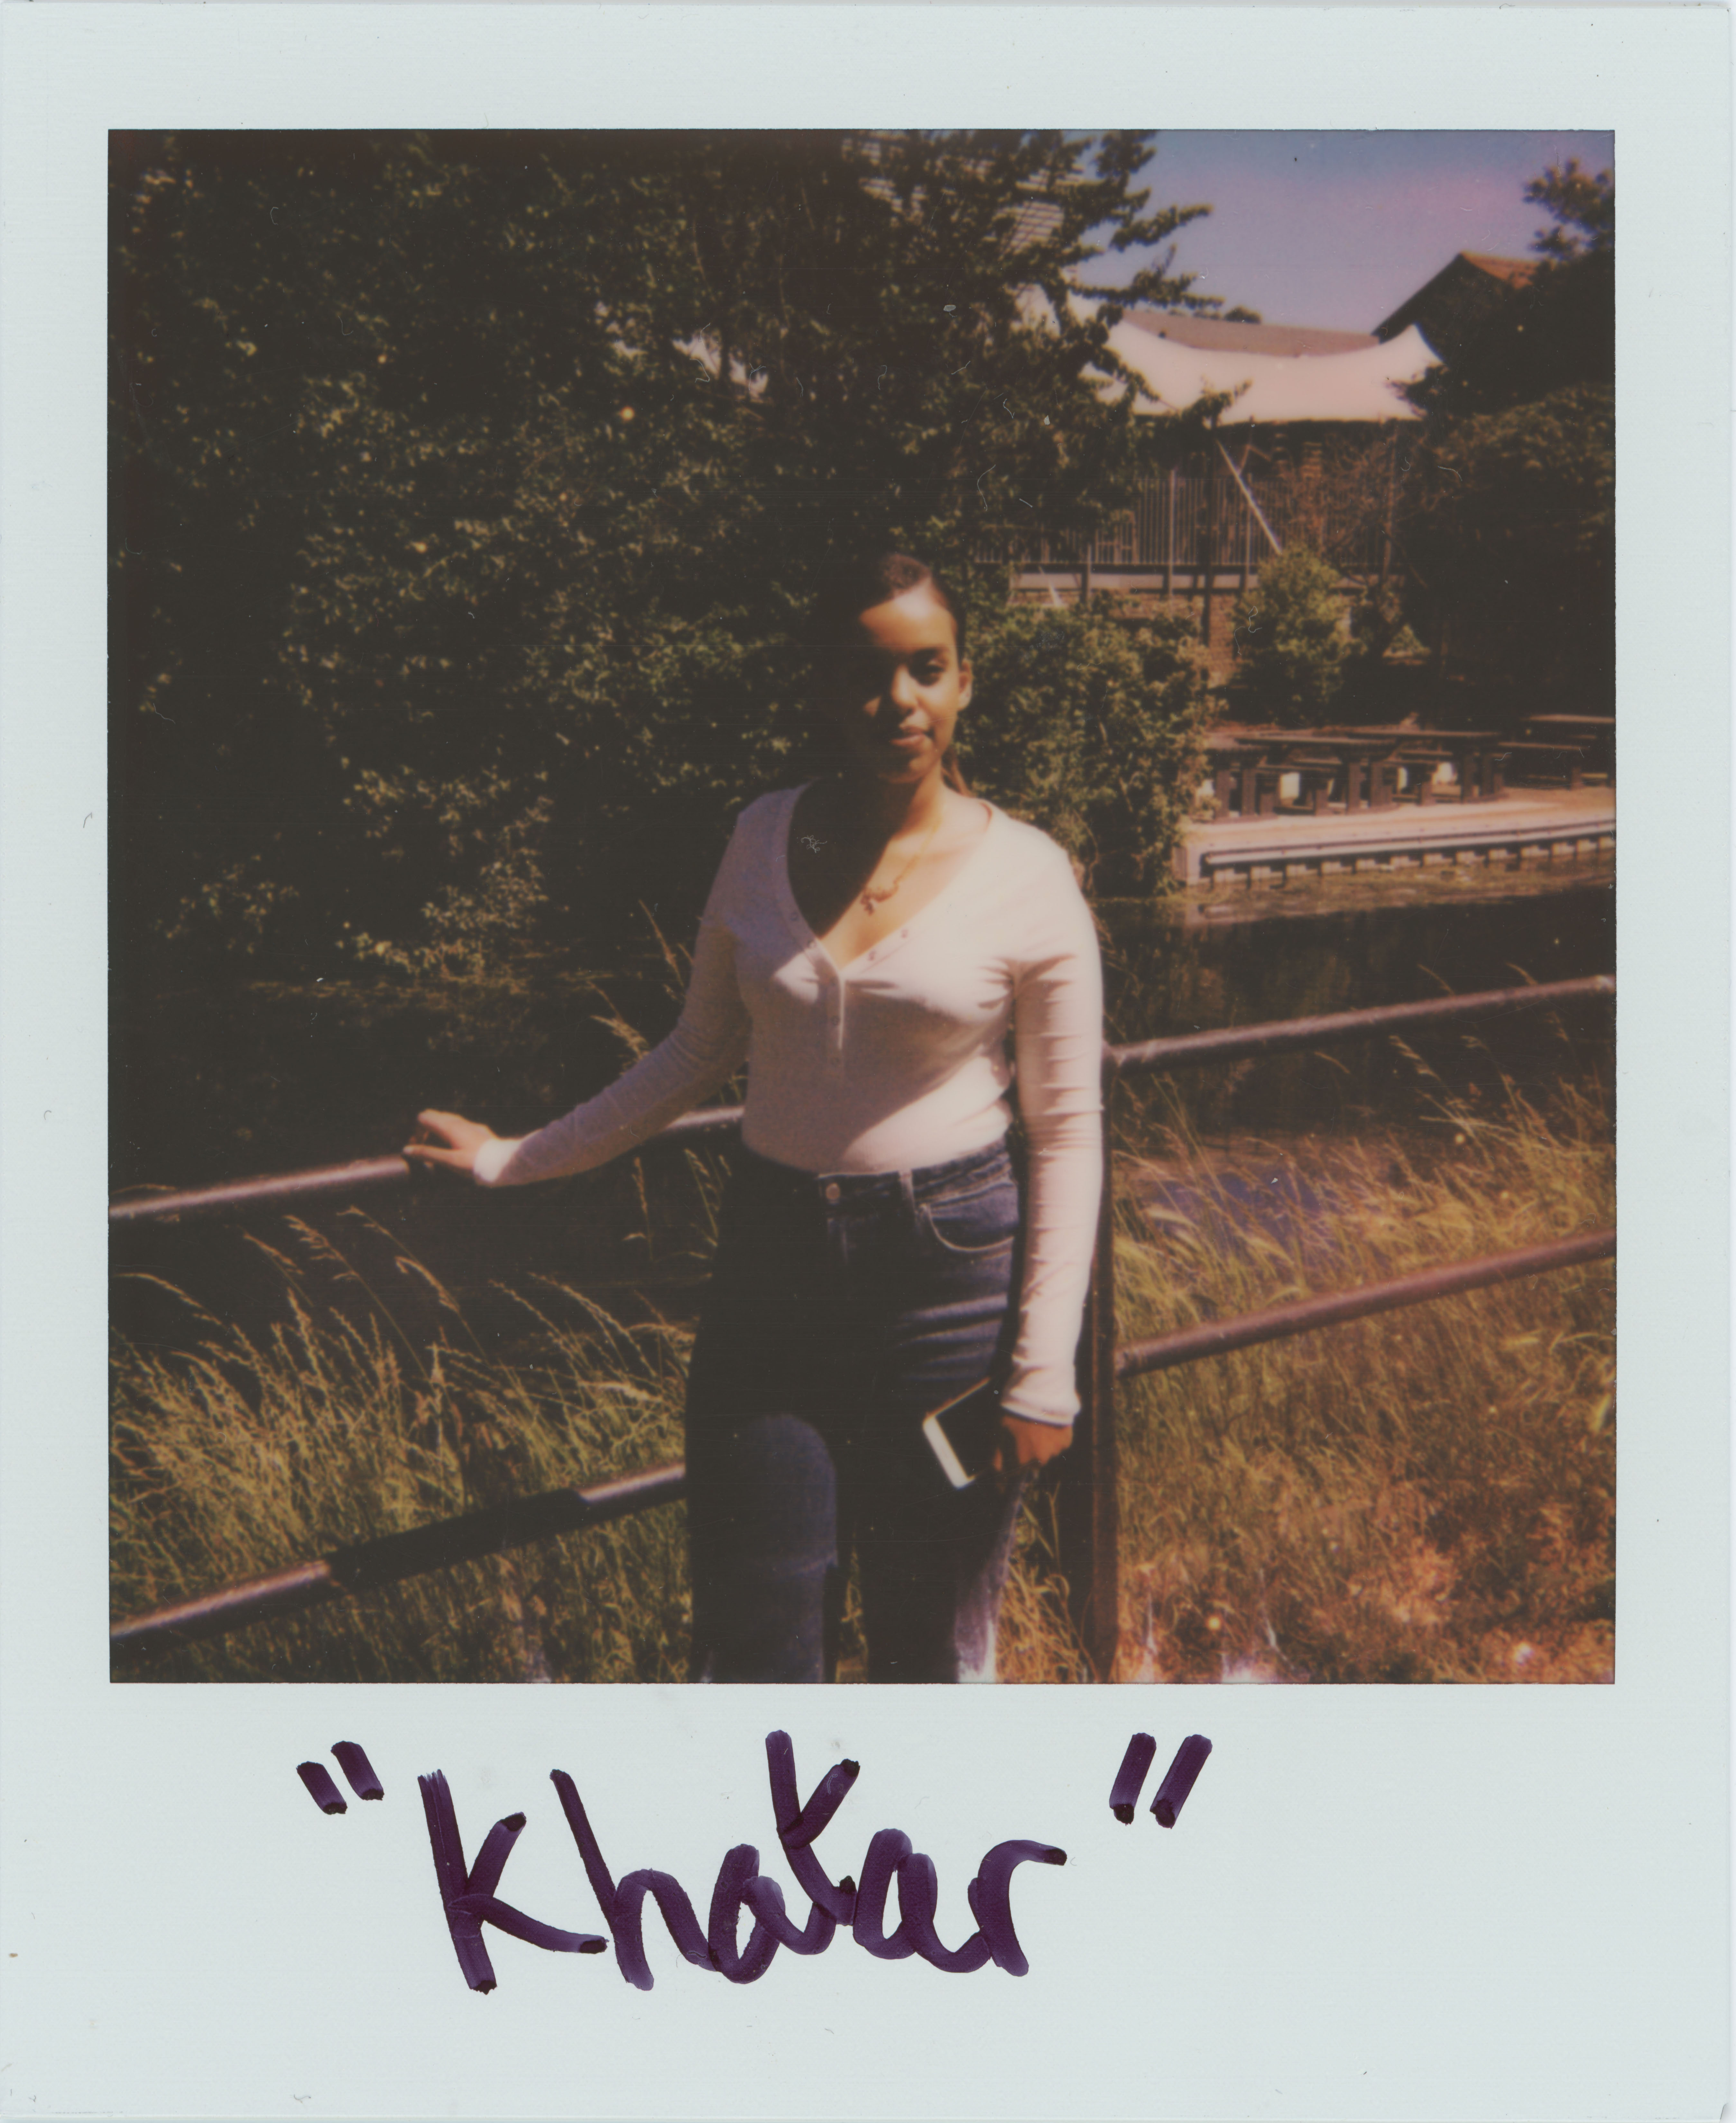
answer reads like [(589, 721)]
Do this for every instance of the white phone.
[(964, 1433)]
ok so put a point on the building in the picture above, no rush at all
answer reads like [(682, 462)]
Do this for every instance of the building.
[(1460, 298), (1306, 447)]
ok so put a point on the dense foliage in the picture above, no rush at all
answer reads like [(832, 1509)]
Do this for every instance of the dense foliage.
[(1517, 538), (1511, 536), (1290, 641), (468, 491), (1091, 728)]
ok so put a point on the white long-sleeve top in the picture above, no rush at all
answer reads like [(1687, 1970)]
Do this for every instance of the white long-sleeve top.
[(896, 1061)]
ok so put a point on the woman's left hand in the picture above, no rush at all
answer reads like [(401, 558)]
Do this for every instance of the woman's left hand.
[(1025, 1444), (447, 1139)]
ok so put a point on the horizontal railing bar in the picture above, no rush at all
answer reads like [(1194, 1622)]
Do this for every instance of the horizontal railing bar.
[(1217, 1337), (1229, 1044), (275, 1189), (1234, 1042), (283, 1187), (369, 1564)]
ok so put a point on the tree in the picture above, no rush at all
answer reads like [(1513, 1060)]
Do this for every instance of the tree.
[(1515, 542), (468, 491), (1583, 208), (1510, 536), (1553, 332), (1290, 642)]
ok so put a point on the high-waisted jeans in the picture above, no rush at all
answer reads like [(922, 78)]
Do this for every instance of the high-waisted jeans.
[(843, 1308)]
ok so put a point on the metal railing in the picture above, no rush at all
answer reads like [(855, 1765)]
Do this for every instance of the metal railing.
[(1215, 519), (1090, 1512), (282, 1190), (367, 1564)]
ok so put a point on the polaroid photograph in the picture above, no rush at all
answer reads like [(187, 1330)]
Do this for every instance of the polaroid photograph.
[(819, 886)]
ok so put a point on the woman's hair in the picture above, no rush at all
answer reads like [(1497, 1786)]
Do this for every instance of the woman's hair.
[(858, 586), (861, 583)]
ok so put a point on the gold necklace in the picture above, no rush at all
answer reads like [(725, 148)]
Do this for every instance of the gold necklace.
[(870, 898)]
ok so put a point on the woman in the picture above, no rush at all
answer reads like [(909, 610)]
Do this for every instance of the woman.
[(869, 942)]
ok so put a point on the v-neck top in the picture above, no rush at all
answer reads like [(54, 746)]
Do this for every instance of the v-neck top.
[(896, 1061)]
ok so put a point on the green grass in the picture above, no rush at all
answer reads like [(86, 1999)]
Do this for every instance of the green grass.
[(1428, 1496), (239, 1456)]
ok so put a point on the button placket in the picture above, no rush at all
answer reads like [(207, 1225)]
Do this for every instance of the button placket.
[(835, 1023)]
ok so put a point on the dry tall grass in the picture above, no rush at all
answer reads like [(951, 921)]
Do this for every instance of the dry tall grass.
[(242, 1455), (1428, 1496)]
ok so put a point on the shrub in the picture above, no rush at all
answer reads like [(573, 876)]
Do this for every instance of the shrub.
[(1089, 725), (1290, 645)]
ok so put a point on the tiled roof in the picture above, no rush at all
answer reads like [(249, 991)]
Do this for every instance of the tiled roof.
[(1037, 218), (1037, 215), (1467, 274), (1515, 271), (1218, 334)]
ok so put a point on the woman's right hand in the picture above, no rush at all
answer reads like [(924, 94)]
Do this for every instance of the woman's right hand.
[(447, 1139)]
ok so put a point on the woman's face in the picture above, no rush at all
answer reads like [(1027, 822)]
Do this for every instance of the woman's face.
[(894, 695)]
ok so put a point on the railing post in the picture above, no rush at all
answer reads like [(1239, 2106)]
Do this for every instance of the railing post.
[(1090, 1504), (1169, 542)]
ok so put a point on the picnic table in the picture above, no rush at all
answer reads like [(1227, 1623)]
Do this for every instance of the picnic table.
[(1360, 768), (1574, 726), (1578, 742), (1248, 767), (1474, 755)]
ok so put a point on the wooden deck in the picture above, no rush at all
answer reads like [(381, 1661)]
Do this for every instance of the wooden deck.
[(1564, 822)]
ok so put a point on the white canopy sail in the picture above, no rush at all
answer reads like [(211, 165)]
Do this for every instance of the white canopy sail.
[(1362, 386)]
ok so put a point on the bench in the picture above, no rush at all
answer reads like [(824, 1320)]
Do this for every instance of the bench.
[(1318, 775), (1248, 789), (1549, 756), (1420, 764)]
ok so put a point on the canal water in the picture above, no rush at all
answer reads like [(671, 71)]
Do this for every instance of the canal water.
[(1242, 956), (214, 1085)]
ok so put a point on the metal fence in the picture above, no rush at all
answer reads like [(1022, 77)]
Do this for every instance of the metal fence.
[(1087, 1474), (1184, 522)]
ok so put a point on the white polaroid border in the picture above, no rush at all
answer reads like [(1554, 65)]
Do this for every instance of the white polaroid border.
[(1381, 1902)]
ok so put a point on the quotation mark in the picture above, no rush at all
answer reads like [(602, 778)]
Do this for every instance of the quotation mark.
[(1180, 1778), (357, 1770)]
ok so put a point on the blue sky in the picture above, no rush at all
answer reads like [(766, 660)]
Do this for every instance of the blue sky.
[(1337, 229)]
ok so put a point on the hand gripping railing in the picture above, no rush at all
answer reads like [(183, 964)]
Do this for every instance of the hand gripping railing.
[(1090, 1512), (282, 1190)]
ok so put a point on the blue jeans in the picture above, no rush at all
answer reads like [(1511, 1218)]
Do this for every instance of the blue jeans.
[(843, 1308)]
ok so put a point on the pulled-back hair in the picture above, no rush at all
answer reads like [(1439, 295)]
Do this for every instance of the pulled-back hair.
[(860, 584)]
